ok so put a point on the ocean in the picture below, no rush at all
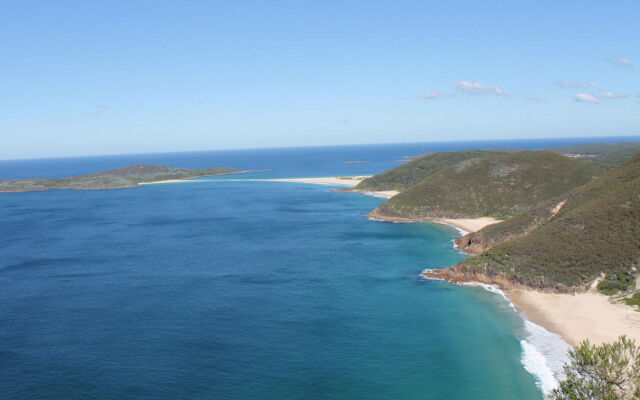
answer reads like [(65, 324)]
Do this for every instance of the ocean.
[(249, 290)]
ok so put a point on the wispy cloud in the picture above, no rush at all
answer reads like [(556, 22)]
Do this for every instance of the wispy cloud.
[(619, 61), (578, 85), (432, 95), (611, 95), (476, 88), (587, 98)]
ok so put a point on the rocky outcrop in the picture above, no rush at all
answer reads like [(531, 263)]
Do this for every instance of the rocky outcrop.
[(461, 273)]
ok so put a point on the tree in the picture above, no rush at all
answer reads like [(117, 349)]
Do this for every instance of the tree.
[(610, 371)]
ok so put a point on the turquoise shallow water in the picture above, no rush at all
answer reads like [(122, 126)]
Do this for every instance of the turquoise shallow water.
[(241, 290)]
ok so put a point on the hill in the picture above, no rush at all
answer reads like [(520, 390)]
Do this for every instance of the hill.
[(569, 241), (492, 184), (126, 177), (415, 171), (604, 155)]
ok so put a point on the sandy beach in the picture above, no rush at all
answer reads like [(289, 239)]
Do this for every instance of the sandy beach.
[(468, 224), (346, 181), (167, 181), (577, 317), (464, 224), (349, 181)]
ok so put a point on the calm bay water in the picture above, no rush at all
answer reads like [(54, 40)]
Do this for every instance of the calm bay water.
[(242, 290)]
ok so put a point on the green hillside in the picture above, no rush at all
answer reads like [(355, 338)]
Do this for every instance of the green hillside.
[(118, 178), (605, 155), (410, 174), (492, 184), (596, 230)]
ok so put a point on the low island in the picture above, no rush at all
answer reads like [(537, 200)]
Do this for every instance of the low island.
[(127, 177)]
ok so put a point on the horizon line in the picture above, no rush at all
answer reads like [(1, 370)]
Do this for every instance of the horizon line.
[(637, 137)]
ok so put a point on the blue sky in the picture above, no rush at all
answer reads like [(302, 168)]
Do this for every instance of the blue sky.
[(109, 77)]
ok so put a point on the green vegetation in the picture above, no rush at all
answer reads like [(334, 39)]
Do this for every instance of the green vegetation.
[(415, 171), (118, 178), (604, 372), (603, 155), (596, 230), (615, 283), (633, 300), (489, 184)]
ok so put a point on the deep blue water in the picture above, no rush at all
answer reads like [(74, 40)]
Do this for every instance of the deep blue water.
[(242, 290)]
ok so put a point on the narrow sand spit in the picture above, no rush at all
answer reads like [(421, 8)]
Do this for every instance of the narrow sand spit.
[(577, 317), (168, 181), (346, 181), (329, 180)]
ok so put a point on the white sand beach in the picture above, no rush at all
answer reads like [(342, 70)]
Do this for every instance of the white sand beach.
[(469, 224), (167, 181), (577, 317), (346, 181), (349, 181), (466, 225)]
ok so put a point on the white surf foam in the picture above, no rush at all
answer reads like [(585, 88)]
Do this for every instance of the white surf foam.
[(543, 353), (425, 271), (377, 194), (493, 289), (543, 356)]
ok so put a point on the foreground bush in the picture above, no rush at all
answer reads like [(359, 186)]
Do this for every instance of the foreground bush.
[(605, 372)]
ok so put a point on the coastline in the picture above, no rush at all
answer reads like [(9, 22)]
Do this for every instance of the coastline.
[(463, 225), (578, 317), (573, 316), (192, 178), (349, 182)]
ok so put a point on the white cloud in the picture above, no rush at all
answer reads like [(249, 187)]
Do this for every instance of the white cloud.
[(619, 61), (578, 85), (432, 95), (475, 88), (611, 95), (586, 98)]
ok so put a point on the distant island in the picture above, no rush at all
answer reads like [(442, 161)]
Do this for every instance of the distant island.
[(127, 177)]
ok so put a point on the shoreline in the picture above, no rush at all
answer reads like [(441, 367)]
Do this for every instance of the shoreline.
[(576, 317), (463, 225), (192, 178), (349, 182), (573, 316)]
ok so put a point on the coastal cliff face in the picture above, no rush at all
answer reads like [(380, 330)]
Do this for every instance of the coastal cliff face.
[(471, 273), (472, 243)]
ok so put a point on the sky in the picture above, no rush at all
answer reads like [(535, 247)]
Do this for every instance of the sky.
[(117, 77)]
